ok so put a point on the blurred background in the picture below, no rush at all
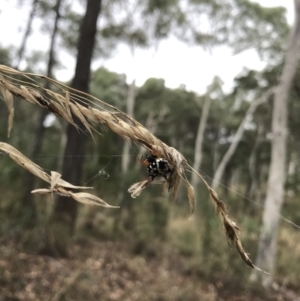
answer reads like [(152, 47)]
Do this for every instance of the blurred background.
[(198, 75)]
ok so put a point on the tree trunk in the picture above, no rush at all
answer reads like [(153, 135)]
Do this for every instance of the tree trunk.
[(64, 215), (199, 139), (127, 220), (28, 198), (252, 164), (237, 138), (26, 34), (268, 238), (216, 152), (205, 220)]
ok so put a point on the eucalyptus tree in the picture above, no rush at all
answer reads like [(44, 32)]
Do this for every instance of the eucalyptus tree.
[(275, 191), (64, 214), (216, 88)]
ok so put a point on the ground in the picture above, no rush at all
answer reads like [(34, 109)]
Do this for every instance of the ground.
[(110, 271)]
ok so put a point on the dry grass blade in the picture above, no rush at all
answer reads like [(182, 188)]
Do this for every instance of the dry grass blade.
[(81, 197), (218, 203), (67, 103), (59, 110), (231, 229), (23, 161), (136, 189), (89, 199), (164, 189), (42, 191), (56, 183), (8, 98), (191, 196), (76, 111), (174, 184), (28, 95), (55, 177)]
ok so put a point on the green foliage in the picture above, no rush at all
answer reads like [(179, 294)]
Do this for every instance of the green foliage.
[(267, 28), (241, 24), (70, 29), (110, 87), (5, 57)]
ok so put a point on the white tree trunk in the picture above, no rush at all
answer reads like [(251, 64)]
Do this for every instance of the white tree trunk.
[(199, 139), (130, 107), (268, 238), (253, 164), (237, 138)]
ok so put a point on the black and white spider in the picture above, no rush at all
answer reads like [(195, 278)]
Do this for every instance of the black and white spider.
[(157, 167)]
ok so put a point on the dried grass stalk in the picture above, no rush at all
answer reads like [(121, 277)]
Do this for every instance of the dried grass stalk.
[(191, 196), (231, 230), (67, 103), (136, 188), (57, 185), (8, 98)]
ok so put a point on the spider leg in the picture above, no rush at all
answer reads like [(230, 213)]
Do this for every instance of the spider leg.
[(144, 162)]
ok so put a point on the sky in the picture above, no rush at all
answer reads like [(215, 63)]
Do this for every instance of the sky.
[(175, 62)]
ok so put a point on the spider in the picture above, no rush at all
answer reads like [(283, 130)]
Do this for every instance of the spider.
[(157, 166)]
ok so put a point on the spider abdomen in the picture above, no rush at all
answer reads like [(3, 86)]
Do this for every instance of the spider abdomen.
[(158, 167)]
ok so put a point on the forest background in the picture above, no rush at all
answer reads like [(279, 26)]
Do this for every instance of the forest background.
[(149, 249)]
